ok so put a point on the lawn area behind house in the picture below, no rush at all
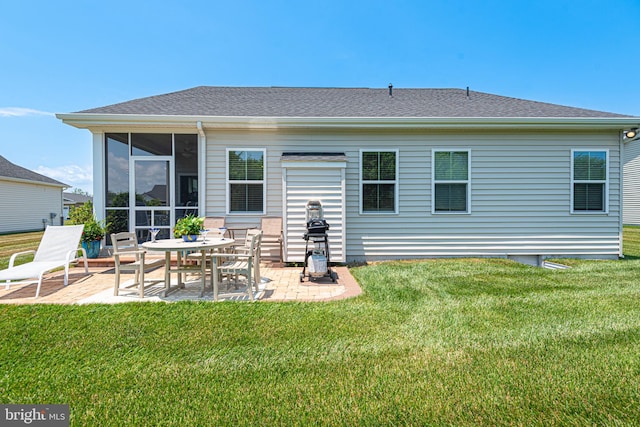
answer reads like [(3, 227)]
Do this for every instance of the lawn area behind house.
[(12, 243), (433, 342)]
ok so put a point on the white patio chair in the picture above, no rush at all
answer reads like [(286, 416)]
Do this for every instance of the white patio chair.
[(58, 248), (213, 224), (126, 245), (246, 249), (247, 264), (272, 236)]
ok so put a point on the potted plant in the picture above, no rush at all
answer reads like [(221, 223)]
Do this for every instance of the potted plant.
[(188, 227), (92, 235), (94, 230)]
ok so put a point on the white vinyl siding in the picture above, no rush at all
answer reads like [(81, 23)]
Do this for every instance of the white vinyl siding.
[(28, 206), (520, 198), (632, 183), (589, 183), (379, 181)]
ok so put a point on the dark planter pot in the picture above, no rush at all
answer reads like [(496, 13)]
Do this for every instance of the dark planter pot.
[(92, 248), (190, 237)]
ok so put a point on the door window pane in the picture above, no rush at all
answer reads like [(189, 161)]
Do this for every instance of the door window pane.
[(152, 183)]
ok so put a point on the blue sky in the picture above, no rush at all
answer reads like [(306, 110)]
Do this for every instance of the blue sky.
[(66, 56)]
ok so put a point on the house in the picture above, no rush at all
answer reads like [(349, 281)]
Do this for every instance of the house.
[(72, 201), (631, 196), (401, 173), (30, 201)]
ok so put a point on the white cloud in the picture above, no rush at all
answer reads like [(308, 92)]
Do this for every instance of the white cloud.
[(73, 175), (22, 112)]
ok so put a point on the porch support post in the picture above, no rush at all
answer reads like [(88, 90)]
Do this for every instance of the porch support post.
[(99, 175), (202, 170)]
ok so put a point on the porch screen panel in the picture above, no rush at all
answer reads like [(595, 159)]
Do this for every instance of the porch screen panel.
[(117, 182)]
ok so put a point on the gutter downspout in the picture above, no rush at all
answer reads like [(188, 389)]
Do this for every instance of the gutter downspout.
[(621, 215), (202, 170)]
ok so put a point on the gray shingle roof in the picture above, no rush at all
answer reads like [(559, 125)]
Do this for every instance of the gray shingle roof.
[(340, 102), (76, 198), (10, 170)]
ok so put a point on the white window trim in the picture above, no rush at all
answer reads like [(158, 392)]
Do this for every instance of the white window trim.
[(433, 181), (228, 181), (605, 182), (395, 182)]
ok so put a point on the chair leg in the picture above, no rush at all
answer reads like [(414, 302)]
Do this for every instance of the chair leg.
[(250, 278), (257, 276), (141, 292), (116, 287), (66, 274), (39, 284)]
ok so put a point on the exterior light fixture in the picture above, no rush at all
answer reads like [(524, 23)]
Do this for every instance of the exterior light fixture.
[(632, 133)]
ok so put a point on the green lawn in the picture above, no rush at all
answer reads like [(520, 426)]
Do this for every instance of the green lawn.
[(12, 243), (436, 342)]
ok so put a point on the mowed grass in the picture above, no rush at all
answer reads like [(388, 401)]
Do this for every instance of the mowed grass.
[(12, 243), (434, 342)]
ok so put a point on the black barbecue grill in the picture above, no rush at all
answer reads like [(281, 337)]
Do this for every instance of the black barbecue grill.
[(317, 262)]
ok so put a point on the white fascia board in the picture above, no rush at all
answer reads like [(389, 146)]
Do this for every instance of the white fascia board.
[(34, 182), (88, 121)]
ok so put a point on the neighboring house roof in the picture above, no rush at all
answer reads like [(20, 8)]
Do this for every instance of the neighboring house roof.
[(14, 172), (158, 192), (75, 198), (341, 102)]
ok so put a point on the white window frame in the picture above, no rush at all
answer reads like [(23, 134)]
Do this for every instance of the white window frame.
[(395, 182), (605, 182), (434, 182), (229, 182)]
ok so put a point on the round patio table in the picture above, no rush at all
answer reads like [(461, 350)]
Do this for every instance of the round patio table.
[(181, 247)]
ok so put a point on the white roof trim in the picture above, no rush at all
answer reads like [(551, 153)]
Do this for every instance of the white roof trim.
[(33, 181), (88, 120)]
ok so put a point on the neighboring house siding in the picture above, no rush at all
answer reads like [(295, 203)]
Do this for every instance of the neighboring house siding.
[(632, 183), (520, 192), (25, 205)]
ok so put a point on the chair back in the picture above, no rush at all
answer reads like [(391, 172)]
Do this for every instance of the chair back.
[(271, 226), (252, 241), (57, 241), (213, 222), (124, 242)]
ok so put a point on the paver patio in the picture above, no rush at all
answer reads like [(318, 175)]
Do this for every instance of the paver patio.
[(278, 284)]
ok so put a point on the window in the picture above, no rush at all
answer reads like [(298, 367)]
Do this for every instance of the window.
[(450, 181), (589, 177), (378, 177), (245, 172)]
